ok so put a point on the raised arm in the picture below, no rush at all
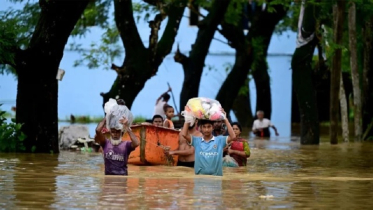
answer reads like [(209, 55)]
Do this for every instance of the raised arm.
[(232, 135), (134, 140), (184, 132), (100, 137), (160, 97)]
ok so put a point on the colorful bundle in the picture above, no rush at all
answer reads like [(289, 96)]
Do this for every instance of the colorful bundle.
[(203, 108)]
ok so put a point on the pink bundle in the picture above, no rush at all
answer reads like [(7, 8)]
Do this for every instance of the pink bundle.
[(203, 108)]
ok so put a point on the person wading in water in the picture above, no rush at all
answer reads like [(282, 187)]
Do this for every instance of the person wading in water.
[(186, 151), (115, 150), (261, 126)]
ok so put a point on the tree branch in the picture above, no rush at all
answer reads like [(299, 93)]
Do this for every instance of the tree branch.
[(155, 25), (181, 58), (127, 28), (175, 12)]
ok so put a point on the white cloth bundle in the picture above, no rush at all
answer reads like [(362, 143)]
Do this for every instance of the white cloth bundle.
[(114, 113)]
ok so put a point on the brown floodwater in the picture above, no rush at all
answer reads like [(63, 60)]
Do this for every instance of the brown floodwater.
[(280, 174)]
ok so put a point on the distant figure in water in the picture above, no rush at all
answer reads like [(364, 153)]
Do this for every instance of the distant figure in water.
[(115, 150), (161, 103), (186, 151), (261, 125), (219, 129), (170, 113)]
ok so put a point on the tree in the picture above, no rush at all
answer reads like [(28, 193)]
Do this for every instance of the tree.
[(140, 62), (301, 65), (36, 62), (354, 70), (338, 13), (251, 52), (193, 65), (367, 82)]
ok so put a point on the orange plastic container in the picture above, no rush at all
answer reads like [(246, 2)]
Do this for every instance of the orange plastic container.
[(152, 142)]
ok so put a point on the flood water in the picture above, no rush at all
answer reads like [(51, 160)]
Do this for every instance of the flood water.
[(280, 174)]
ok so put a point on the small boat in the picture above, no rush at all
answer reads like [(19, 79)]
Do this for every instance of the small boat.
[(178, 123), (153, 141)]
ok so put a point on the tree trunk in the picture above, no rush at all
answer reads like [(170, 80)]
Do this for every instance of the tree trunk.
[(193, 67), (301, 64), (37, 68), (242, 109), (335, 76), (263, 25), (354, 70), (367, 78), (344, 112), (141, 63)]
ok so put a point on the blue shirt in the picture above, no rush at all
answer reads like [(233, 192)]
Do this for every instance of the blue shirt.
[(208, 155)]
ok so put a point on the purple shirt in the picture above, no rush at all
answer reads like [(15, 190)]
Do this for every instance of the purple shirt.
[(116, 157)]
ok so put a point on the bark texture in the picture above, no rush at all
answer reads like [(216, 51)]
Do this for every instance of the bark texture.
[(251, 56), (344, 112), (336, 70), (193, 65), (367, 93), (354, 71), (37, 68), (303, 83), (140, 62)]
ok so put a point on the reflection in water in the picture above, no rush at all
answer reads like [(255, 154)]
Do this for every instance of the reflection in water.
[(313, 177)]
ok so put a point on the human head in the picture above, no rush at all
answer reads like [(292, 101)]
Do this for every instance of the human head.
[(169, 111), (218, 125), (206, 127), (166, 97), (260, 114), (157, 120), (121, 102), (237, 129)]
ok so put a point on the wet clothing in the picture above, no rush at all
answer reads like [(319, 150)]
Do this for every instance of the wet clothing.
[(158, 109), (262, 124), (186, 164), (116, 157), (240, 145), (208, 155), (170, 123)]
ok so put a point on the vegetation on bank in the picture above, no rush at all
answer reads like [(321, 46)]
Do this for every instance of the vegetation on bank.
[(11, 136)]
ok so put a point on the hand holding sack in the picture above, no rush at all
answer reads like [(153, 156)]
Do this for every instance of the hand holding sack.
[(115, 113), (229, 161), (203, 108)]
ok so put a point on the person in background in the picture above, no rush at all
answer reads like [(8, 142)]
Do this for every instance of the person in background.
[(185, 151), (157, 120), (170, 113), (239, 149), (115, 150), (161, 103), (219, 129), (261, 125)]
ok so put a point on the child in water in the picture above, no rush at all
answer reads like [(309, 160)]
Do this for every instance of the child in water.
[(170, 113)]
